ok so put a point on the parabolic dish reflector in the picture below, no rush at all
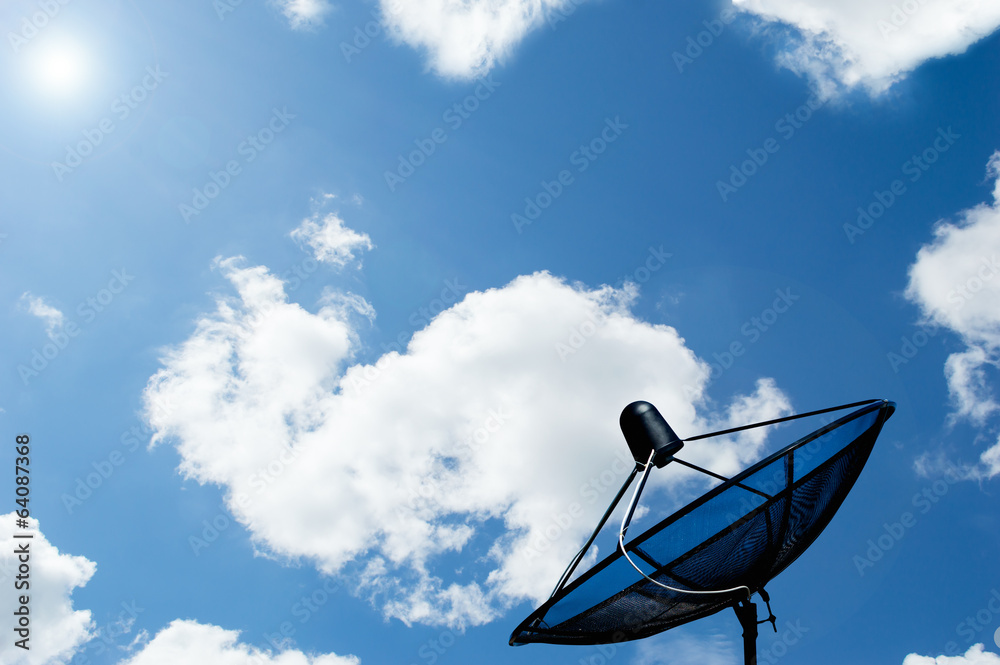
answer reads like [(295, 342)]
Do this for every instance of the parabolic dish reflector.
[(741, 533)]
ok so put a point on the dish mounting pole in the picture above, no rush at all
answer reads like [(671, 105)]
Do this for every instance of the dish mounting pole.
[(746, 612)]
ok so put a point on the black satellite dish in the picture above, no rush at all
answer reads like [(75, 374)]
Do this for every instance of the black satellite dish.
[(717, 551)]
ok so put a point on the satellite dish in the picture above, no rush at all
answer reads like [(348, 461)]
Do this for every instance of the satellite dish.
[(717, 551)]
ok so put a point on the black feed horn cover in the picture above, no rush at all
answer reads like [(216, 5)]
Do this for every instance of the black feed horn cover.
[(645, 430)]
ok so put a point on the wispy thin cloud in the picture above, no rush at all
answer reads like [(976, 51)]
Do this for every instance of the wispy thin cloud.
[(36, 306)]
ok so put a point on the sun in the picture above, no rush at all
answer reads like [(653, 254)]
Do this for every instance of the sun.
[(58, 68)]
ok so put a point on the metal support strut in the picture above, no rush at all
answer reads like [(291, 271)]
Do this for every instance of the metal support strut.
[(579, 556)]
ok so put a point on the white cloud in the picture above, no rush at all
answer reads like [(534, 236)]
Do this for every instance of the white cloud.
[(37, 306), (974, 656), (330, 240), (478, 439), (991, 460), (57, 630), (842, 44), (968, 384), (955, 282), (193, 643), (684, 649), (305, 14), (466, 39)]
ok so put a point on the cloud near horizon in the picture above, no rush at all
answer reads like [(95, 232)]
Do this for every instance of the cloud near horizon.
[(974, 656), (192, 643)]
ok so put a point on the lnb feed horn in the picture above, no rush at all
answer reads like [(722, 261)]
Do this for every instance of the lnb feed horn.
[(647, 431)]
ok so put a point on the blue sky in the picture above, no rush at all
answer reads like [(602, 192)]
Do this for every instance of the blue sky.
[(320, 316)]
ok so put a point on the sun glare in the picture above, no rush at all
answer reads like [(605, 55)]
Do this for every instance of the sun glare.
[(58, 69)]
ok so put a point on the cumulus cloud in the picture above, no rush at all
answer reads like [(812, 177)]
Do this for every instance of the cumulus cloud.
[(974, 656), (842, 44), (473, 440), (58, 630), (331, 241), (955, 282), (305, 14), (190, 642), (37, 306), (466, 39)]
